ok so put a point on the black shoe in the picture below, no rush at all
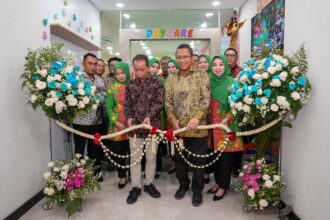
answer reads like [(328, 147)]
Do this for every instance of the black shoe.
[(211, 191), (133, 195), (181, 191), (197, 199), (152, 191), (206, 180), (122, 185), (217, 198), (171, 171), (100, 179)]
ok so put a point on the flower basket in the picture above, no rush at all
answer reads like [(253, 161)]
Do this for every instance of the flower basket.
[(56, 85), (260, 185), (69, 182), (270, 87)]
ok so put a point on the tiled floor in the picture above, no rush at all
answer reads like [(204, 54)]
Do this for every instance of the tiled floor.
[(110, 203)]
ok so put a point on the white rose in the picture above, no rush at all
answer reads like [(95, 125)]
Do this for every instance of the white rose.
[(257, 76), (264, 100), (50, 78), (245, 166), (283, 75), (275, 83), (278, 67), (241, 174), (51, 191), (59, 106), (46, 175), (85, 100), (277, 178), (265, 75), (64, 174), (259, 92), (260, 66), (81, 105), (51, 164), (243, 79), (86, 157), (83, 161), (234, 112), (94, 107), (77, 155), (78, 164), (58, 77), (272, 63), (33, 98), (295, 95), (40, 85), (72, 102), (274, 107), (56, 169), (269, 184), (65, 167), (263, 203), (69, 85), (80, 86), (285, 62), (251, 193), (246, 108), (49, 102), (81, 92), (271, 70), (43, 72), (93, 89), (259, 161), (277, 57), (294, 70), (69, 69), (248, 100), (265, 177), (239, 106), (232, 104)]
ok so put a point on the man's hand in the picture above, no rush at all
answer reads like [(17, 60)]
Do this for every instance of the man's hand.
[(129, 122), (192, 124), (175, 124), (146, 121)]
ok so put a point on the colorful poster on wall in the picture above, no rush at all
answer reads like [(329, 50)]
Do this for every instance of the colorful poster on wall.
[(268, 26)]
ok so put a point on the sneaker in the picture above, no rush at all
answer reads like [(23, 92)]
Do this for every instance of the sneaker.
[(133, 195), (152, 191)]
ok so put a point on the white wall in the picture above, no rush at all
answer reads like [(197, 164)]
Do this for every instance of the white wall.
[(305, 147), (24, 142)]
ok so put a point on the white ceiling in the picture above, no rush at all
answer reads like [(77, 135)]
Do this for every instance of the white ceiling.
[(106, 5)]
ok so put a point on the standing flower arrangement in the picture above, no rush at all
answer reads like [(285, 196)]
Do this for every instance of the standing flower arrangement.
[(260, 185), (270, 87), (69, 182), (57, 85)]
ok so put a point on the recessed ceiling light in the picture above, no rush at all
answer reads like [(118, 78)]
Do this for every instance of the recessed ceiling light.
[(132, 26), (109, 48), (119, 5), (117, 54), (216, 3), (204, 25), (209, 14), (127, 16), (145, 47)]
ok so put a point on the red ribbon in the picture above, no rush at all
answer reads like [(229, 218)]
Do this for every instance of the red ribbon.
[(96, 140), (169, 135), (232, 135), (153, 130)]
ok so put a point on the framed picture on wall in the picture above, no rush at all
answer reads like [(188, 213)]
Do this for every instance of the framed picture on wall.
[(268, 26)]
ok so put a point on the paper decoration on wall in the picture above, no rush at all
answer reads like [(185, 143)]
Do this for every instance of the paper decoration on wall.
[(55, 16), (86, 29), (63, 12), (45, 21), (69, 23), (65, 2), (74, 17), (78, 29), (44, 35), (81, 24), (90, 29)]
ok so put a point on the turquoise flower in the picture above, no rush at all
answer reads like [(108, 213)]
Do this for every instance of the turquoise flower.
[(35, 77), (74, 92), (58, 94), (254, 88), (259, 82), (247, 92), (233, 98), (239, 94), (52, 84), (64, 87), (52, 72), (292, 85), (251, 62), (301, 81), (87, 91), (76, 68), (267, 92), (258, 101), (87, 84), (252, 72), (277, 77)]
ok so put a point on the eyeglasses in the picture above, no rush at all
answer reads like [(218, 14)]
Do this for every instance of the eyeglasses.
[(182, 57)]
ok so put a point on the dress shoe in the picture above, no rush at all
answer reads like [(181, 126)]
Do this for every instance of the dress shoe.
[(211, 191), (197, 199), (157, 176), (133, 195), (152, 191), (122, 185), (100, 179), (181, 191), (217, 198)]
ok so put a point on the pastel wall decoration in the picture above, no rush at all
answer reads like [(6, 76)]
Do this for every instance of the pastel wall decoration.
[(45, 21), (55, 16), (74, 17), (63, 12), (44, 35)]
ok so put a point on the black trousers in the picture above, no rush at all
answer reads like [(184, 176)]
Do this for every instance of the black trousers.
[(197, 146), (237, 163), (93, 151), (223, 168), (121, 148)]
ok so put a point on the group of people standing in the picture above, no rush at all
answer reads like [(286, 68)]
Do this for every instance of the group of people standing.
[(189, 92)]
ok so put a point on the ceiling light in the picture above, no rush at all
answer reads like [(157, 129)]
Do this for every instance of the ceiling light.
[(209, 15), (192, 46), (117, 54), (142, 43), (127, 16), (204, 25), (132, 26), (216, 3), (145, 47), (109, 48), (119, 5)]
